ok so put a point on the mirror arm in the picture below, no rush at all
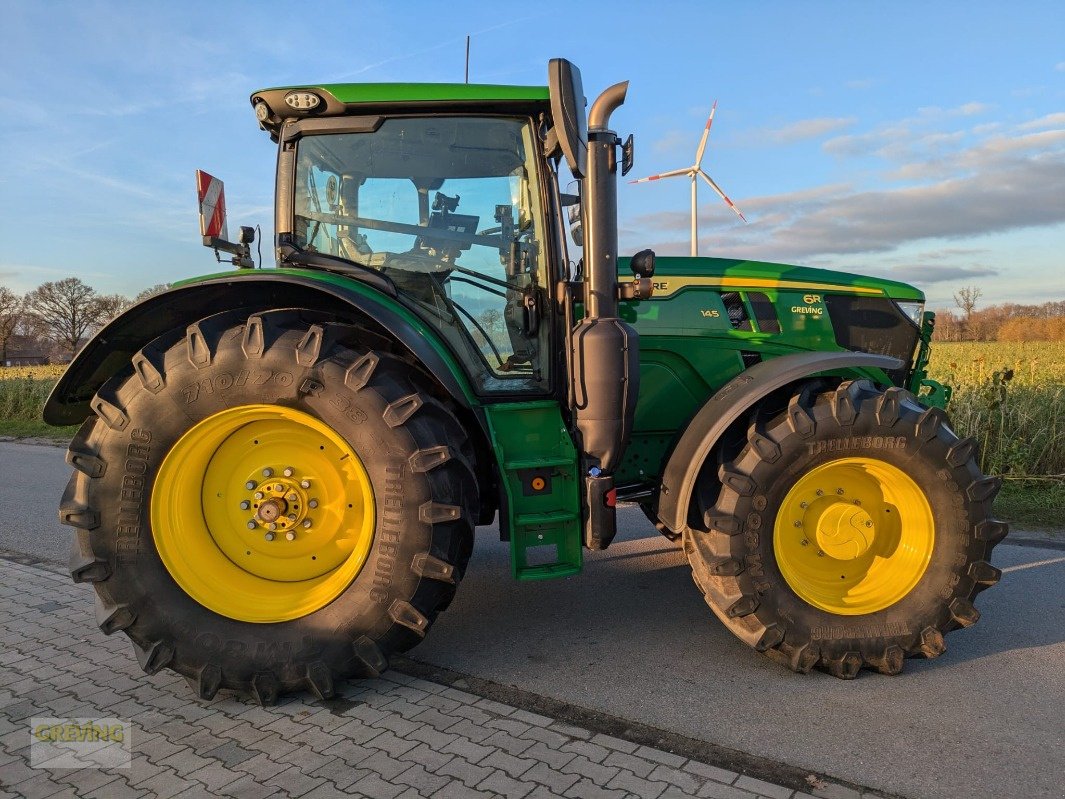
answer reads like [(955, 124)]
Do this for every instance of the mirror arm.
[(639, 289), (241, 252)]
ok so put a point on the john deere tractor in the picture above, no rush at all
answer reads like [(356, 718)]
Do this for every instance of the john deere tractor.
[(279, 470)]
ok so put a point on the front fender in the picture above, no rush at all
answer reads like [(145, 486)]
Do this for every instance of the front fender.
[(730, 403), (112, 348)]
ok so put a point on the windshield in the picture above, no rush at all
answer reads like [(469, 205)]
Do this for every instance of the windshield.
[(449, 208)]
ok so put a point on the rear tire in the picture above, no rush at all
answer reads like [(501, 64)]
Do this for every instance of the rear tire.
[(871, 623), (416, 459)]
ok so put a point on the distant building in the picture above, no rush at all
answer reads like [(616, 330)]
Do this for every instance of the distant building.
[(26, 351)]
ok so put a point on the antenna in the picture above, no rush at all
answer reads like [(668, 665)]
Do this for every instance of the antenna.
[(694, 172), (467, 58)]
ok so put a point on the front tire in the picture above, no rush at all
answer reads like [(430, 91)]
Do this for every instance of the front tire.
[(265, 504), (852, 530)]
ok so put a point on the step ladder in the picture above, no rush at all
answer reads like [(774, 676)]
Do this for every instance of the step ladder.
[(540, 485)]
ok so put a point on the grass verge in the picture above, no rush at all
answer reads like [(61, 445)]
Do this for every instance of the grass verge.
[(20, 428), (1033, 504)]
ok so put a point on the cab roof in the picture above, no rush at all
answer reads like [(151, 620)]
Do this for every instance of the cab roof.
[(336, 99), (358, 93)]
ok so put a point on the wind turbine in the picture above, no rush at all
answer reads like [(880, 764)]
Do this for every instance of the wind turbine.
[(693, 172)]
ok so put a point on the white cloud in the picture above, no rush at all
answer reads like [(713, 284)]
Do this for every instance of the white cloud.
[(907, 137), (860, 144), (926, 274), (674, 141), (1048, 121), (934, 112), (803, 129), (971, 109)]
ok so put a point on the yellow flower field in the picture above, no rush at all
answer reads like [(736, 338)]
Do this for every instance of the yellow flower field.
[(1011, 398), (1033, 362), (31, 372)]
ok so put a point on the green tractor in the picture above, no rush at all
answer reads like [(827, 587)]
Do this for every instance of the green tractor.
[(279, 471)]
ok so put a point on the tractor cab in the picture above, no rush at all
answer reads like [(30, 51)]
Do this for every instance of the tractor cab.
[(450, 204)]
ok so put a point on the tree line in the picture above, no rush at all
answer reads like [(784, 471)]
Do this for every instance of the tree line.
[(57, 317), (1003, 322)]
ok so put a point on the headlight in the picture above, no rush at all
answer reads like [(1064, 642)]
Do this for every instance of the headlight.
[(912, 310), (303, 101)]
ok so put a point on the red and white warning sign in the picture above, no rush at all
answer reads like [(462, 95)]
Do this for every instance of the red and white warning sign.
[(212, 206)]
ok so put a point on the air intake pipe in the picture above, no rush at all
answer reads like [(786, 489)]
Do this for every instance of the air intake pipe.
[(605, 354)]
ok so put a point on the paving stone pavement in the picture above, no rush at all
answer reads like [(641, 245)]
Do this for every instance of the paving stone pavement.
[(394, 737)]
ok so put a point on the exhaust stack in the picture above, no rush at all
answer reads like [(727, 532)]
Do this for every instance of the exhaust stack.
[(605, 354)]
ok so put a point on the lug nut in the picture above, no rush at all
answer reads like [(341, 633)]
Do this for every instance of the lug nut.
[(820, 554), (252, 525), (312, 504), (307, 523), (305, 483), (269, 536), (292, 497), (268, 472), (804, 504), (271, 526), (798, 523), (289, 471), (839, 491), (258, 495), (245, 505), (250, 485), (291, 536), (292, 517), (819, 492), (279, 487)]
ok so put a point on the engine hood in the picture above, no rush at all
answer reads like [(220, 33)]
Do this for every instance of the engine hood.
[(675, 273)]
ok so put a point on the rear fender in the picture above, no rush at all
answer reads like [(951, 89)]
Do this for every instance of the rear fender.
[(112, 348), (734, 400)]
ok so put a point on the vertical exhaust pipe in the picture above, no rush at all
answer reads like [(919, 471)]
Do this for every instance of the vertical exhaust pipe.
[(601, 207), (605, 354)]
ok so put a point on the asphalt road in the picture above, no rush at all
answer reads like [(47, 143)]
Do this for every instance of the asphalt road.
[(631, 637)]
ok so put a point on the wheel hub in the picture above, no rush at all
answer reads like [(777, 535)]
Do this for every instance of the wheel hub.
[(281, 501), (853, 536), (262, 513), (271, 510), (844, 531)]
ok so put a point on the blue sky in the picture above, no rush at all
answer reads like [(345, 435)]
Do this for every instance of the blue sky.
[(924, 142)]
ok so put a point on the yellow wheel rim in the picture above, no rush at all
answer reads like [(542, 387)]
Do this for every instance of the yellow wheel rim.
[(262, 513), (854, 536)]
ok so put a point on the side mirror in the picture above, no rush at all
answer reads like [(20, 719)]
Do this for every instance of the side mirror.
[(643, 264), (576, 227), (571, 199), (628, 155), (567, 113)]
